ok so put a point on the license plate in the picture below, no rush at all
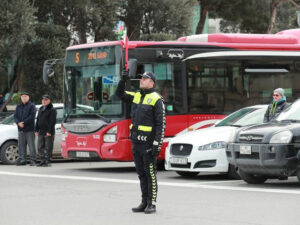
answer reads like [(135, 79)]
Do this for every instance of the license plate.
[(181, 161), (245, 149), (83, 154)]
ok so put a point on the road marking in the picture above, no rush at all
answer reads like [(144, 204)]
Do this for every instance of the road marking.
[(172, 184)]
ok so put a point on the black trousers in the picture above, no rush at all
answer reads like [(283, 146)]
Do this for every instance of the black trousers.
[(145, 165), (45, 146)]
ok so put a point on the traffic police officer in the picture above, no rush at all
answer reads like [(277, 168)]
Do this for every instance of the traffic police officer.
[(146, 134)]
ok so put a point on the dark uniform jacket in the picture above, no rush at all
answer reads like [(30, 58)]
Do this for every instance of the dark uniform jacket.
[(25, 113), (46, 120), (274, 110), (147, 115)]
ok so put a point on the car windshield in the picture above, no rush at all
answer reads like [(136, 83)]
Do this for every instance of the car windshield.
[(244, 117), (8, 120), (291, 113)]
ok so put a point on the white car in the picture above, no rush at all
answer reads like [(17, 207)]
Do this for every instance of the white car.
[(204, 150), (9, 137)]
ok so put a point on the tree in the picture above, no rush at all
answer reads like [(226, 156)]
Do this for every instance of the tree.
[(208, 6), (83, 19), (51, 43), (17, 30), (274, 7), (146, 17)]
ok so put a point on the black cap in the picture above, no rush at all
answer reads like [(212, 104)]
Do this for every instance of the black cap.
[(24, 93), (149, 75), (46, 97)]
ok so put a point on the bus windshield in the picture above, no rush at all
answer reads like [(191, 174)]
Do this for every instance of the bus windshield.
[(91, 78)]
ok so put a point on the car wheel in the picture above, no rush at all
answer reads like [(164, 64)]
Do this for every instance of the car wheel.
[(187, 174), (252, 178), (9, 153), (298, 174), (233, 172)]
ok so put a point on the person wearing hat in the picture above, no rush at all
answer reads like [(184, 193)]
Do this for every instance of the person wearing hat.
[(278, 105), (146, 134), (24, 117), (45, 130)]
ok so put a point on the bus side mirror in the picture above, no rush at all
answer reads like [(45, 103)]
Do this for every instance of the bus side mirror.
[(132, 68), (47, 71)]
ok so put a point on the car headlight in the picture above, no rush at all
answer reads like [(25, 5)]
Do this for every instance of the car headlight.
[(282, 137), (111, 135), (213, 146)]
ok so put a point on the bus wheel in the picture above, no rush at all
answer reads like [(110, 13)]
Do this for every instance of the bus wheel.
[(187, 174), (233, 172), (9, 153), (252, 178)]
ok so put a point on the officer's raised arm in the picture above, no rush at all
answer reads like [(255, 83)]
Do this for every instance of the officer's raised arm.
[(120, 92)]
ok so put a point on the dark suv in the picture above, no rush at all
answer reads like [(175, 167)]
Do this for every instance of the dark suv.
[(268, 150)]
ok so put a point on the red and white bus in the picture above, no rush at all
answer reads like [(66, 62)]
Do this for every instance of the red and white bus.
[(201, 78)]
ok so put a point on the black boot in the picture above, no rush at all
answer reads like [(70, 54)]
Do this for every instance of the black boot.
[(150, 209), (41, 163), (140, 208)]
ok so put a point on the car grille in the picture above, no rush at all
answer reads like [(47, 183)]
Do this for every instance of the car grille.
[(181, 149), (251, 138), (187, 166)]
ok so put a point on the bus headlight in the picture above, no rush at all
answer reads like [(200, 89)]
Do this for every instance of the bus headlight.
[(283, 137), (111, 135), (64, 136), (213, 146)]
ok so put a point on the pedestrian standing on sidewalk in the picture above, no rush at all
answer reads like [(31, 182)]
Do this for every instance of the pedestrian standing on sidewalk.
[(45, 130), (24, 117)]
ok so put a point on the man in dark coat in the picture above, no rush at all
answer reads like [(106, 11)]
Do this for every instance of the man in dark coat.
[(45, 130), (278, 105), (24, 117)]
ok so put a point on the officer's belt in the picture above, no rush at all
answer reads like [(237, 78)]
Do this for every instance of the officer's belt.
[(141, 128)]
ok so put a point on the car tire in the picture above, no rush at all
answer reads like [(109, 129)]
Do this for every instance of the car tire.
[(252, 178), (187, 174), (233, 172), (9, 153), (298, 174)]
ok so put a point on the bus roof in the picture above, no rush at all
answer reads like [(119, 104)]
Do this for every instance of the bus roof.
[(288, 40), (228, 54)]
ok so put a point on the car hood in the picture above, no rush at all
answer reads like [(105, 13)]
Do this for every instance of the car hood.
[(205, 136), (7, 127), (269, 129)]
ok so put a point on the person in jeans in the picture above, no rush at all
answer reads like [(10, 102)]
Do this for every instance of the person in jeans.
[(45, 130), (24, 117)]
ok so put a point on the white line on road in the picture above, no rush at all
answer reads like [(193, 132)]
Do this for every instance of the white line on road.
[(173, 184)]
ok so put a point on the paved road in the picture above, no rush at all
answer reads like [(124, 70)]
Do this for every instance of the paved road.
[(102, 193)]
